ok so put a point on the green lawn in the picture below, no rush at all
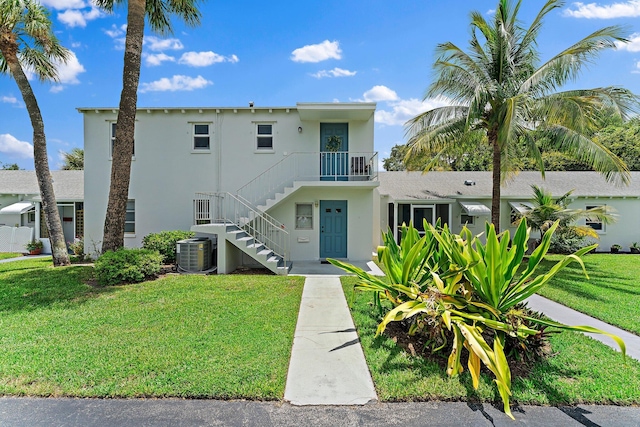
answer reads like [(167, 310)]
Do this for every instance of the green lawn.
[(185, 336), (7, 255), (611, 294), (580, 371)]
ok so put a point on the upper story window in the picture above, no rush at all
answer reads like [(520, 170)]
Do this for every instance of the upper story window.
[(264, 138), (201, 136), (113, 140)]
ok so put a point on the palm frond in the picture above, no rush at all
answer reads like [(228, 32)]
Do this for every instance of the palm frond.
[(589, 151)]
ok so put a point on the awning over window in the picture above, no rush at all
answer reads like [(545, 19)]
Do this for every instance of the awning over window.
[(521, 207), (17, 208), (475, 209)]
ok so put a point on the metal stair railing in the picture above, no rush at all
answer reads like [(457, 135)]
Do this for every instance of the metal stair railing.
[(226, 208), (310, 166)]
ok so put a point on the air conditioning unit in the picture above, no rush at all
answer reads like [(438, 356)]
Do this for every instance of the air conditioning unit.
[(193, 255)]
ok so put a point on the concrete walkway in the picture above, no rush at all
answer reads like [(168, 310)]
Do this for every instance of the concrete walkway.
[(566, 315), (22, 258), (327, 364)]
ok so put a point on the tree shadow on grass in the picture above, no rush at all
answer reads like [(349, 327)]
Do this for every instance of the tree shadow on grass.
[(24, 288)]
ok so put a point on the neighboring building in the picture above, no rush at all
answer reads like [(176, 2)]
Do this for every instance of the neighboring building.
[(274, 184), (460, 198), (20, 202)]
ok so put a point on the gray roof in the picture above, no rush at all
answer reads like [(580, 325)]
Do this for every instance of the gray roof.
[(451, 185), (67, 185)]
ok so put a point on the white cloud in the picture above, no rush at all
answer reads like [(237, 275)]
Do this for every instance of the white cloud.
[(317, 52), (12, 146), (153, 60), (380, 93), (637, 70), (336, 72), (117, 34), (64, 4), (9, 99), (405, 109), (175, 83), (114, 31), (76, 45), (632, 46), (629, 9), (56, 89), (77, 18), (158, 44), (204, 59), (68, 73)]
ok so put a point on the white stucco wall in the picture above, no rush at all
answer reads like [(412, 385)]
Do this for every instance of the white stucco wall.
[(167, 172), (359, 221)]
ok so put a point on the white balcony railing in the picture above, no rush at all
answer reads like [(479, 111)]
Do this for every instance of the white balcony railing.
[(319, 166)]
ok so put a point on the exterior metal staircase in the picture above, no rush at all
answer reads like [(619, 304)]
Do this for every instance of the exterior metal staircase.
[(241, 218), (254, 232)]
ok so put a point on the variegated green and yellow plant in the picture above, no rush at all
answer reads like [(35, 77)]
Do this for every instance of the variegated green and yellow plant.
[(474, 290)]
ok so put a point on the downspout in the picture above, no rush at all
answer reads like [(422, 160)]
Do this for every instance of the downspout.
[(219, 119)]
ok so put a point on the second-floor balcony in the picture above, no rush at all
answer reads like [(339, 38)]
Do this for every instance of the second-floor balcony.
[(341, 167)]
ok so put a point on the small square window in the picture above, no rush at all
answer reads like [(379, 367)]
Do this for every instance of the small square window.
[(201, 137), (304, 216), (467, 219), (265, 137)]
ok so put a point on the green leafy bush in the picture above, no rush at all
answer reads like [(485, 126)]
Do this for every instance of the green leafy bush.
[(463, 294), (165, 243), (567, 241), (127, 266)]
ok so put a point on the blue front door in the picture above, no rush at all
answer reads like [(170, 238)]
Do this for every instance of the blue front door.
[(334, 145), (333, 228)]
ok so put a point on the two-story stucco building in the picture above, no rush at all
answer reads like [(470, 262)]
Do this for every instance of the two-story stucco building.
[(272, 184)]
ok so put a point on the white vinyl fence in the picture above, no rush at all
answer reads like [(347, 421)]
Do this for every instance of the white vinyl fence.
[(13, 239)]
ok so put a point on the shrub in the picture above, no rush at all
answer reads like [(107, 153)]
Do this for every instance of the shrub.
[(77, 247), (127, 266), (470, 293), (567, 241), (165, 243)]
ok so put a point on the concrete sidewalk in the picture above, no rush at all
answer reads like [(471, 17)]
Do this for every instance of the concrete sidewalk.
[(568, 316), (22, 258), (327, 364)]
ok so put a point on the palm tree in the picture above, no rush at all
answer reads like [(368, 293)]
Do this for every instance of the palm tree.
[(500, 93), (547, 210), (157, 12), (73, 160), (27, 40)]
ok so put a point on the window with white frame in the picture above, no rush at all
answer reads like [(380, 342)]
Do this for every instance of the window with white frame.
[(467, 219), (595, 223), (264, 136), (304, 216), (130, 218), (201, 136), (113, 140)]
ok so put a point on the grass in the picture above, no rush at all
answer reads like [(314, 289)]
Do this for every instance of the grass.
[(7, 255), (184, 336), (581, 370), (611, 293)]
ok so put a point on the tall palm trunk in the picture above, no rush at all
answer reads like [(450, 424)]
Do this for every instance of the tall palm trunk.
[(496, 179), (40, 159), (125, 128)]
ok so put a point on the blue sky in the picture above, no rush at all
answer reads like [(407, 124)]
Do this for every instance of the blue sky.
[(282, 52)]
